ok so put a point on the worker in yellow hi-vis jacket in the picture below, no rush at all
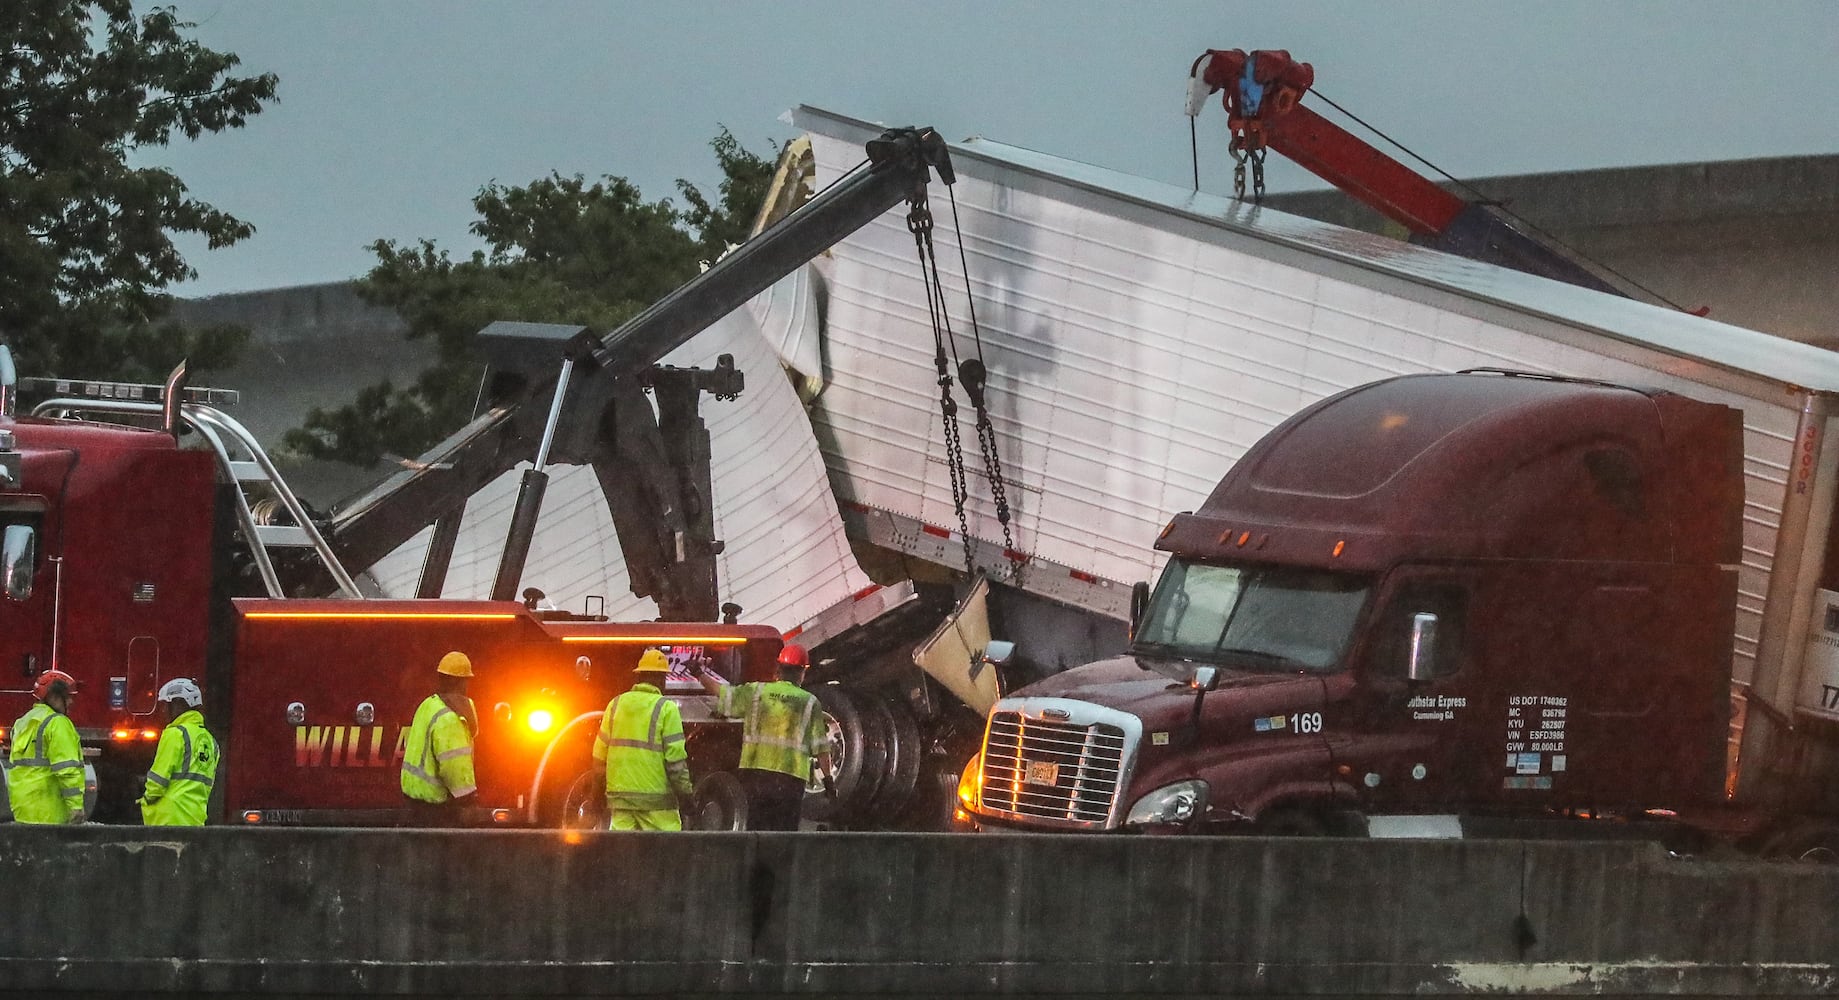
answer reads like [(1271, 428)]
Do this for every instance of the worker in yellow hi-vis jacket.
[(437, 757), (641, 741), (45, 784), (185, 765), (783, 732)]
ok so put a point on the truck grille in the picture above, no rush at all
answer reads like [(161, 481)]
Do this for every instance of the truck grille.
[(1055, 773)]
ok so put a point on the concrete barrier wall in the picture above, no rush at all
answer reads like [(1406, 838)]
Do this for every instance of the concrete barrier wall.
[(286, 911)]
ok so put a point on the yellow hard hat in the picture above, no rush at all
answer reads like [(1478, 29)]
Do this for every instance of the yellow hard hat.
[(653, 661), (455, 664)]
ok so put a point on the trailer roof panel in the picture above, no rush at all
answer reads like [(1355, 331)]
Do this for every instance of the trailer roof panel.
[(1335, 249)]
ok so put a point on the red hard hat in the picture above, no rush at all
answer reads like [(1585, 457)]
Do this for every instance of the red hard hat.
[(793, 655), (46, 680)]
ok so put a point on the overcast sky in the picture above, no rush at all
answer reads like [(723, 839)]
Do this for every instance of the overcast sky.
[(393, 113)]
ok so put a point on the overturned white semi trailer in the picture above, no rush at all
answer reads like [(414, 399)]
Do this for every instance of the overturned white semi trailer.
[(1139, 338)]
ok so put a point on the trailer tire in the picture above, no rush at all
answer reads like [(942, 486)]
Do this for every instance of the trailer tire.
[(721, 804), (905, 752), (858, 752)]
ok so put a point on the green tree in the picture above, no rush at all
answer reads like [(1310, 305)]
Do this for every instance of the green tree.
[(86, 238), (559, 250)]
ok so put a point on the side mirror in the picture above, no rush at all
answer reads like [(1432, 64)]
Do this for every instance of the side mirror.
[(18, 560), (1139, 604), (1205, 678), (1422, 664), (998, 653), (9, 382)]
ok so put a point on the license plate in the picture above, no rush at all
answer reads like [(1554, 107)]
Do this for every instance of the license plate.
[(1042, 772)]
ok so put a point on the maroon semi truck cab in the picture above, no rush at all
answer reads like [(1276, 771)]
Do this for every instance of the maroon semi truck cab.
[(1477, 593)]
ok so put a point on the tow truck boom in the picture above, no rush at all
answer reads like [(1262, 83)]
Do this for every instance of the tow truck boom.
[(662, 514), (1263, 91)]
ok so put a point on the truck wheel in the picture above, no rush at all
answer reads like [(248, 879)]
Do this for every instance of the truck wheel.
[(1812, 841), (574, 791), (584, 805), (721, 804), (857, 754), (906, 752)]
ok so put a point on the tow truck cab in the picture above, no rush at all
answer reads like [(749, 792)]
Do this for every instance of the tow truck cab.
[(107, 550), (1476, 592)]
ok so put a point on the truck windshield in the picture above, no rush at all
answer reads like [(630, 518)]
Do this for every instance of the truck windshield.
[(1272, 618)]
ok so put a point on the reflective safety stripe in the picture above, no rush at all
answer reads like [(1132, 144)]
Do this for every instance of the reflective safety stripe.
[(464, 790), (203, 779), (804, 723), (427, 745), (39, 757), (71, 793), (431, 770), (156, 779), (651, 741), (777, 734), (641, 800), (606, 722)]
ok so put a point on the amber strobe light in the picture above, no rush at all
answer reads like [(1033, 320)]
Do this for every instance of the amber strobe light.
[(539, 721)]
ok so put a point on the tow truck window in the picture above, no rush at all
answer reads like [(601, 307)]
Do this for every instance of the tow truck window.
[(1276, 618), (18, 559)]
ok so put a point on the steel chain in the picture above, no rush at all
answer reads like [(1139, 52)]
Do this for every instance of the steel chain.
[(986, 441), (919, 223)]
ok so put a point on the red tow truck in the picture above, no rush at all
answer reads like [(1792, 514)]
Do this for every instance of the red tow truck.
[(1420, 605), (148, 536)]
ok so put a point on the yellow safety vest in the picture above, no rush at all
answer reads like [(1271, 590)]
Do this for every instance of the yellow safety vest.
[(184, 769), (46, 782), (437, 758), (784, 726), (641, 740)]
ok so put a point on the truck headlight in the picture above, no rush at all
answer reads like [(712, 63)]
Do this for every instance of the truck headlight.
[(970, 783), (1170, 805)]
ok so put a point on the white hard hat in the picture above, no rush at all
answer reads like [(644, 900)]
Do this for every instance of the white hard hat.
[(181, 689)]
